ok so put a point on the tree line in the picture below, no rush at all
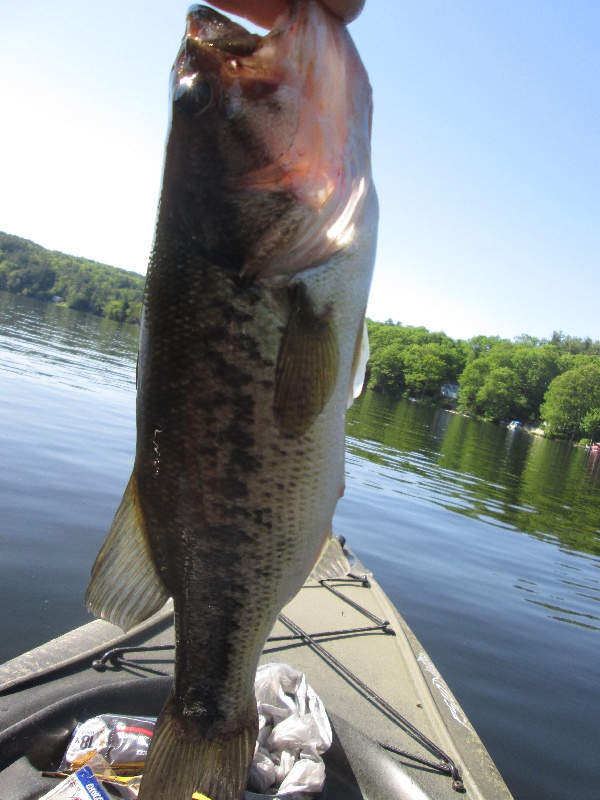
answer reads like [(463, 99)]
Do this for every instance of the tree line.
[(28, 269), (553, 382)]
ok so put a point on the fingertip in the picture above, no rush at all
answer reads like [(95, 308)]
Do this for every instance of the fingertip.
[(265, 12), (348, 10), (260, 12)]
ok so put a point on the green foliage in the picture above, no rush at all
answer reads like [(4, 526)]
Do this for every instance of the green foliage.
[(386, 369), (479, 346), (536, 367), (572, 402), (499, 379), (31, 270), (556, 379), (499, 396), (538, 488), (574, 345), (411, 361), (508, 380), (590, 424)]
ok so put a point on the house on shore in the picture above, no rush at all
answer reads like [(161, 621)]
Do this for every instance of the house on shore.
[(449, 391)]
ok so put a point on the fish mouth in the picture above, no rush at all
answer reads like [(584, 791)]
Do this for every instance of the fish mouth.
[(225, 53), (211, 29), (290, 108)]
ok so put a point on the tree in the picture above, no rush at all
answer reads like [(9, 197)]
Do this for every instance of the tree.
[(387, 370), (480, 346), (590, 424), (424, 374), (527, 368), (527, 339), (84, 285), (471, 381), (117, 310), (425, 369), (570, 397), (535, 367), (412, 360), (500, 398), (574, 345)]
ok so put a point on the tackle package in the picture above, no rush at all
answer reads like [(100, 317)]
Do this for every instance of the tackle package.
[(122, 741), (82, 785), (294, 732)]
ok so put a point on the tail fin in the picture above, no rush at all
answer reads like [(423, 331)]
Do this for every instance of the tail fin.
[(181, 760)]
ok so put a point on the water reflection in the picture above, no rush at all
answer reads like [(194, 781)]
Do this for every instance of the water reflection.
[(506, 478), (572, 591), (511, 620), (47, 343), (436, 505)]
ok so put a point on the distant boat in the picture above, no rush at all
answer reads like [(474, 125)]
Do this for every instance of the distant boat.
[(514, 425)]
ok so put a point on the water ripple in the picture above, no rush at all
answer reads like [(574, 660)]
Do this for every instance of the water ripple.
[(44, 343)]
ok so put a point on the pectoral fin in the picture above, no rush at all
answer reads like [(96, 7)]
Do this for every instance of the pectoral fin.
[(307, 366), (125, 588)]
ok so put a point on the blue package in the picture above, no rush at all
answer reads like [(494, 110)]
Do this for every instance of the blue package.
[(89, 783), (81, 785)]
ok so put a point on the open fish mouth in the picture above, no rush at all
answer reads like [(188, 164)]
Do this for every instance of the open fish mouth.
[(276, 91), (213, 42), (212, 29)]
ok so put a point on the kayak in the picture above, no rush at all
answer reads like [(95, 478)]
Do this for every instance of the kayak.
[(398, 731)]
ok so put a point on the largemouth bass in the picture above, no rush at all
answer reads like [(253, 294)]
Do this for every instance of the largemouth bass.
[(252, 341)]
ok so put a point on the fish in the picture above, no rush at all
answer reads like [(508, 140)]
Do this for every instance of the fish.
[(252, 345)]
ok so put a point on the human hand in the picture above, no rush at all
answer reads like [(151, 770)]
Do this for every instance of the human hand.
[(265, 12)]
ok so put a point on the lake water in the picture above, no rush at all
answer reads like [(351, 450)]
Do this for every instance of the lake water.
[(487, 541)]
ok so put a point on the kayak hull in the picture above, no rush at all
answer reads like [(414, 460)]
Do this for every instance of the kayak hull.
[(376, 681)]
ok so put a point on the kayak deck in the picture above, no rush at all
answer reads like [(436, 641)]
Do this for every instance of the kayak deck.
[(350, 658), (388, 662)]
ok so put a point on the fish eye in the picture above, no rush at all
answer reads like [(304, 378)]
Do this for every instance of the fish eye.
[(192, 96)]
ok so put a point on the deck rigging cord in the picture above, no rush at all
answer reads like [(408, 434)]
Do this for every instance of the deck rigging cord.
[(445, 765)]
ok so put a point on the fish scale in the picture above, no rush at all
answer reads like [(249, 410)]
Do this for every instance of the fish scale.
[(252, 340)]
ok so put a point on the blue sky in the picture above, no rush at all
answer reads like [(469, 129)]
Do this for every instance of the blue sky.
[(486, 149)]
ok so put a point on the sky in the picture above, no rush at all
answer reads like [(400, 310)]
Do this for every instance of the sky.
[(486, 149)]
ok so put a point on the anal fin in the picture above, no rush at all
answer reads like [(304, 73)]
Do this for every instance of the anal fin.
[(332, 561), (125, 588)]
